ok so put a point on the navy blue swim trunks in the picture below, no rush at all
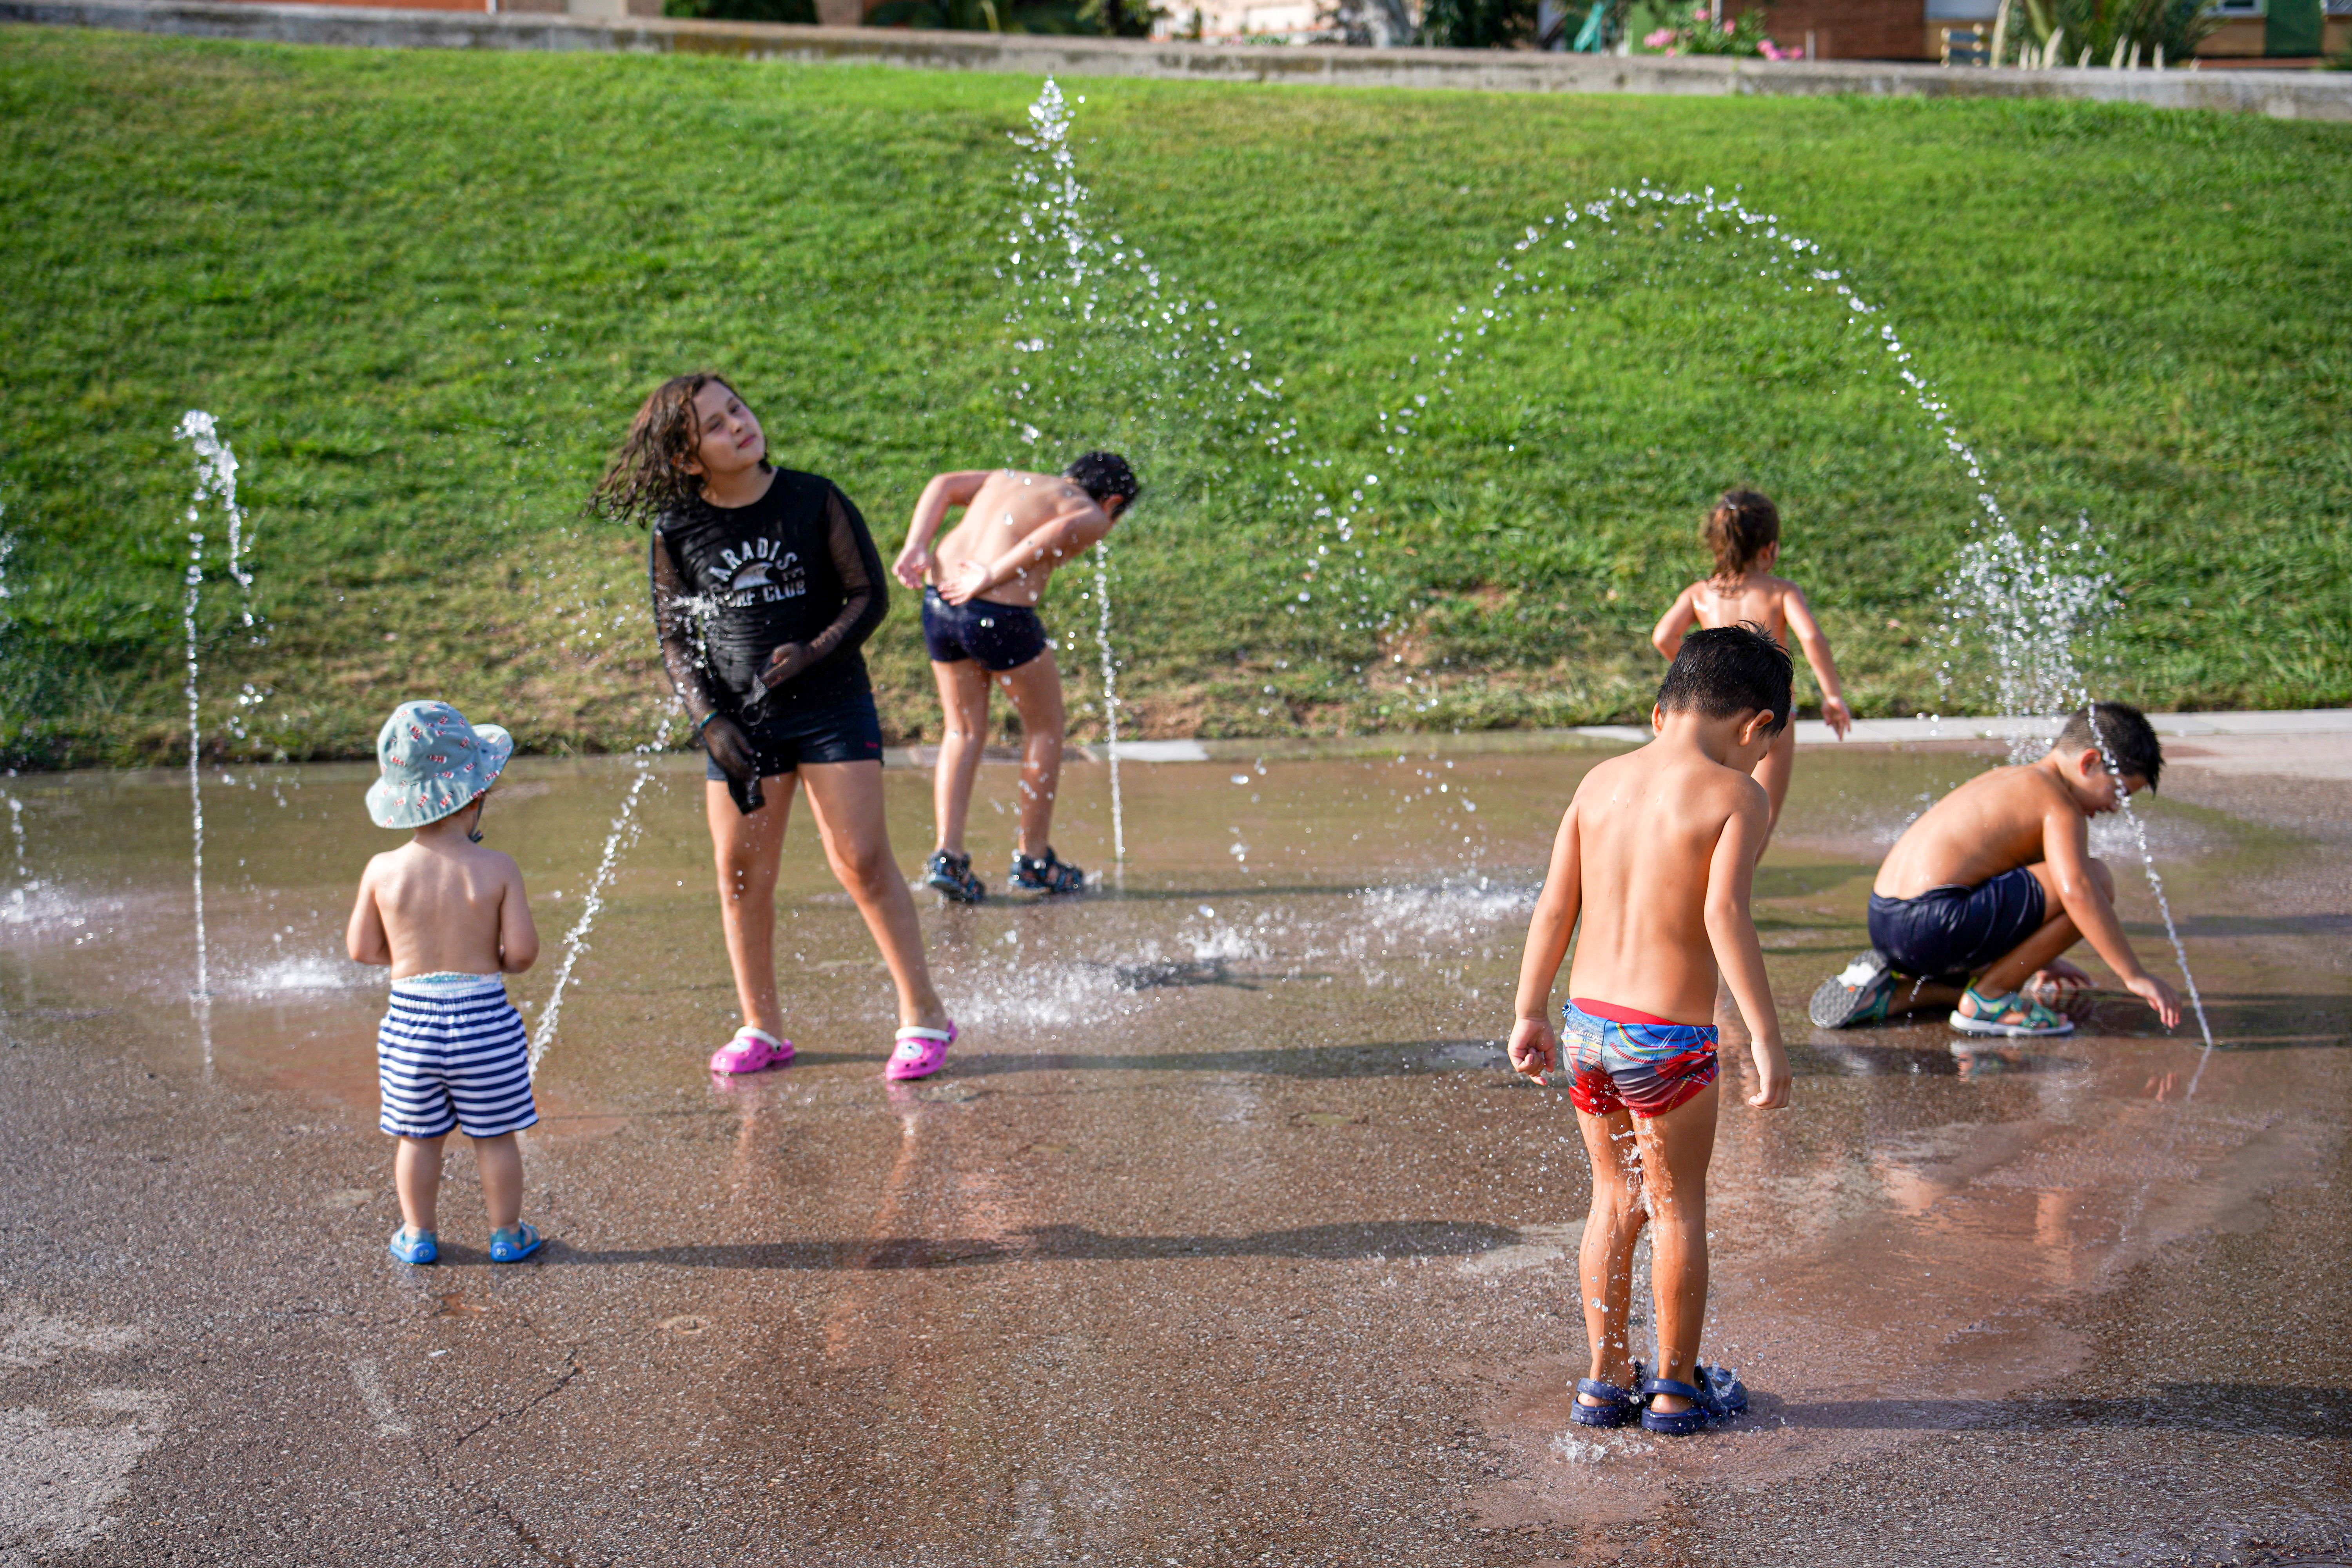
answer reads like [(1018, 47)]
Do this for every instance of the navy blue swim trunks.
[(1954, 933), (1002, 636), (848, 732)]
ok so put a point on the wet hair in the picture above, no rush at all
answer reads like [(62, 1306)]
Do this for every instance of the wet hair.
[(1724, 671), (1739, 528), (1103, 474), (2119, 733), (647, 476)]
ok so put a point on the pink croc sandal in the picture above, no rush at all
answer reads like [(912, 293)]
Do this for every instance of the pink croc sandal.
[(751, 1050), (921, 1052)]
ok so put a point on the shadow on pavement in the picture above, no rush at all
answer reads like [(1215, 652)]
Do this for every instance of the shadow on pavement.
[(2254, 1409), (1072, 1244)]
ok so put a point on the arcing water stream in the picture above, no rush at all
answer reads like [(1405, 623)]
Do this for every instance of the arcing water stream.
[(2020, 608), (625, 830)]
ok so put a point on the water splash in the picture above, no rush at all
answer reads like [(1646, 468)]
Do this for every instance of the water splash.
[(626, 831), (2022, 609), (2155, 886), (1108, 344), (216, 477), (196, 584), (8, 553), (1109, 698)]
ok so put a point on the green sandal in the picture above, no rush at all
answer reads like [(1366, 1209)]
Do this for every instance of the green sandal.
[(2012, 1017)]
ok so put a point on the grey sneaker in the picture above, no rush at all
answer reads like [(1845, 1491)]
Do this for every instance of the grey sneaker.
[(1857, 994)]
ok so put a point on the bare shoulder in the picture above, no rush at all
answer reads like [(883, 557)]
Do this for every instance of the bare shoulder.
[(1605, 776), (501, 863), (1733, 793), (2005, 797), (383, 864)]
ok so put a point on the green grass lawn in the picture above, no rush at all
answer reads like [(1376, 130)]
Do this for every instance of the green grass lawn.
[(423, 293)]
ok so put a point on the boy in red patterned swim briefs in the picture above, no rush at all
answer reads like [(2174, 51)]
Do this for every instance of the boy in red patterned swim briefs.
[(1654, 856)]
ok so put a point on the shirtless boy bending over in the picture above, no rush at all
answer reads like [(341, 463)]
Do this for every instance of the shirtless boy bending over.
[(981, 592), (1656, 857), (1980, 896)]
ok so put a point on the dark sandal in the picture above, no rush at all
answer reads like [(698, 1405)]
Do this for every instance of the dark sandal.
[(1046, 874), (1718, 1395), (1617, 1407)]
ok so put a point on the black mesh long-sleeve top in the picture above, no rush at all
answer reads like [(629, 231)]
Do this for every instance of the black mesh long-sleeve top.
[(795, 570)]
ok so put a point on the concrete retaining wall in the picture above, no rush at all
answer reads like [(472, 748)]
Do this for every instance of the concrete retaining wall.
[(2282, 94)]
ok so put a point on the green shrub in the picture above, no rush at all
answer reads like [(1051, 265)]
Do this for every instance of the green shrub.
[(1478, 24), (743, 10)]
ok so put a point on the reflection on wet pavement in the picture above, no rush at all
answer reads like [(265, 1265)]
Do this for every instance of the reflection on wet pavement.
[(1225, 1236)]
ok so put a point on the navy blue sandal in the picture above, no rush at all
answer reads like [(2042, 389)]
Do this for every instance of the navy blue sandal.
[(1718, 1395), (1617, 1407), (1046, 873)]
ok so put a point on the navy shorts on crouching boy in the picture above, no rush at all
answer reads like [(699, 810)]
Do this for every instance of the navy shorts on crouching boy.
[(1002, 636), (847, 732), (451, 1052), (1955, 933)]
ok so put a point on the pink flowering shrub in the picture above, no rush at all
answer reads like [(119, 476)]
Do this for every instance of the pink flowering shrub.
[(1702, 34)]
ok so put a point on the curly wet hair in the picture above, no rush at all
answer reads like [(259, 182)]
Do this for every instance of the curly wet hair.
[(647, 476)]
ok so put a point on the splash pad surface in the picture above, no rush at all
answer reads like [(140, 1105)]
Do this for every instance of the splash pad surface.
[(1225, 1237)]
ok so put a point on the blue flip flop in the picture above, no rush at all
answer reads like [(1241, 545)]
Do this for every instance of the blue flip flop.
[(419, 1249), (514, 1245), (1617, 1407), (1718, 1395)]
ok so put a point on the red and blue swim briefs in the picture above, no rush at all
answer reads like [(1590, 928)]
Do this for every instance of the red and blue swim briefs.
[(1622, 1060)]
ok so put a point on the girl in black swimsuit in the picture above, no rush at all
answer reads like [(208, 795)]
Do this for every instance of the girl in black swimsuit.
[(765, 582)]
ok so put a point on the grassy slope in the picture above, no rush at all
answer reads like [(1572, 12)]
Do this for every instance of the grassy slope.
[(422, 292)]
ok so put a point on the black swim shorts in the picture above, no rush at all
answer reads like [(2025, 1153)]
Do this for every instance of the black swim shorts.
[(847, 732), (1954, 933), (1002, 636)]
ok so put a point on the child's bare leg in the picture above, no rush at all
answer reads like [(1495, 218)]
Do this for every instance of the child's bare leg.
[(846, 798), (1773, 773), (1676, 1148), (1913, 995), (963, 705), (500, 1159), (2057, 934), (416, 1174), (1035, 688), (747, 848), (1605, 1261)]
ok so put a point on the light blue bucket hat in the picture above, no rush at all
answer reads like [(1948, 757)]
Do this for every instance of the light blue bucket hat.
[(434, 763)]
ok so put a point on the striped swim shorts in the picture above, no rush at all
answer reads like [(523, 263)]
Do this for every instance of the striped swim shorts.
[(1622, 1060), (452, 1053)]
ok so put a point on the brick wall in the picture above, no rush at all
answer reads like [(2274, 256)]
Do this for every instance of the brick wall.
[(1851, 30)]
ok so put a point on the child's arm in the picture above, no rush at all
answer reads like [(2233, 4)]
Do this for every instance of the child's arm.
[(1667, 637), (2066, 844), (518, 938), (1535, 1044), (1817, 654), (1731, 931), (944, 491), (1070, 534), (364, 937)]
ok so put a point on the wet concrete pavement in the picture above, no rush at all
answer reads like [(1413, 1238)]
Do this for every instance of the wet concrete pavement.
[(1223, 1238)]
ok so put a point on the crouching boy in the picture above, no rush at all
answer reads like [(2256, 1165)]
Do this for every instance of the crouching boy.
[(1980, 896), (1654, 858)]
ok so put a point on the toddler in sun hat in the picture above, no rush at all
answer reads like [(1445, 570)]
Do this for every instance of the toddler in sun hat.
[(451, 920)]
